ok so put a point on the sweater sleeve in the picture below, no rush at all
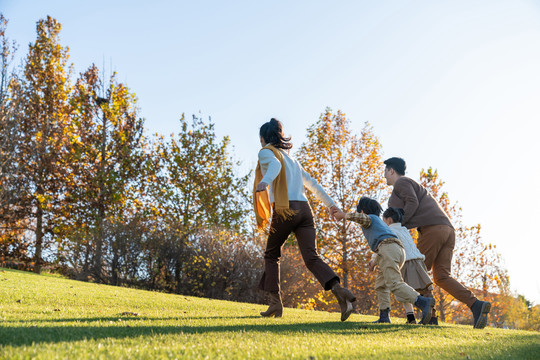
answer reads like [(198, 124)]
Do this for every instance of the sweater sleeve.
[(361, 218), (268, 161), (405, 191), (316, 189)]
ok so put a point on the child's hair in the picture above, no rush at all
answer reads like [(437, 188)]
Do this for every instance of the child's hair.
[(396, 214), (272, 133), (369, 206)]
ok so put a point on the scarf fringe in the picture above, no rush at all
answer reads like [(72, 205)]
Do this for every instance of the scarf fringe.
[(285, 214)]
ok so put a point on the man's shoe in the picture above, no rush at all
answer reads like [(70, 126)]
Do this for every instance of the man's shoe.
[(345, 300), (480, 310), (426, 305), (383, 317), (434, 321), (276, 306)]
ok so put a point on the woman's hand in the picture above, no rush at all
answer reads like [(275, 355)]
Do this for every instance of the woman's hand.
[(337, 213), (261, 186)]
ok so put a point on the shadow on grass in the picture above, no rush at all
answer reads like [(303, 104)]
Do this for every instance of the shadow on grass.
[(525, 346), (19, 336), (128, 318)]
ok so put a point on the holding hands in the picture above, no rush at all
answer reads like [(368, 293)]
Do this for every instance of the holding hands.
[(337, 213)]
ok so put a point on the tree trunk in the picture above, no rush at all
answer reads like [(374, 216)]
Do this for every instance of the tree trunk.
[(177, 277), (39, 239), (100, 204), (87, 263), (99, 247), (442, 306), (114, 267)]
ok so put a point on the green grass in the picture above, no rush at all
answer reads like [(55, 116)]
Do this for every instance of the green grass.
[(49, 317)]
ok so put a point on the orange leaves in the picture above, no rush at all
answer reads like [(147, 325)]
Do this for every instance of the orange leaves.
[(347, 165)]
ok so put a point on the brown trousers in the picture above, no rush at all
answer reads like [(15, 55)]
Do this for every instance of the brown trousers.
[(304, 228), (437, 243)]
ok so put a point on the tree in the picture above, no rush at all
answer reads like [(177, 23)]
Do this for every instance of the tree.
[(12, 232), (105, 159), (41, 109), (191, 186), (347, 166)]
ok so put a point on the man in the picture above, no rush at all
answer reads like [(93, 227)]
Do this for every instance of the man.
[(436, 235)]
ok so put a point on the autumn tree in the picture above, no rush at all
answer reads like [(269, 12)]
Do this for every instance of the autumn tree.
[(192, 185), (521, 314), (476, 264), (41, 109), (104, 162), (347, 166), (7, 52), (8, 126), (11, 228)]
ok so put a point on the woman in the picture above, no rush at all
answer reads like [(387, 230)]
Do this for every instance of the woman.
[(285, 179)]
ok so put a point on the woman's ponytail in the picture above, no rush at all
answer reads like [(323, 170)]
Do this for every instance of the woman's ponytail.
[(272, 133)]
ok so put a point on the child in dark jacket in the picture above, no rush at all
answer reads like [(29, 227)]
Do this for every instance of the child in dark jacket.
[(391, 257)]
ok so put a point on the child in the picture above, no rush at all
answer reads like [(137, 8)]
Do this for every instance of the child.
[(391, 256), (414, 270)]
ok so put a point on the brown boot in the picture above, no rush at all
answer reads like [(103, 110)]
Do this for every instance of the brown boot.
[(276, 307), (345, 300)]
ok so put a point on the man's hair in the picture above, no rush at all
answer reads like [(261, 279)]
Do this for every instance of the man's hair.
[(396, 163), (369, 206)]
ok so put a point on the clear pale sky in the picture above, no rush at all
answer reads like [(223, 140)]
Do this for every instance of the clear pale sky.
[(454, 85)]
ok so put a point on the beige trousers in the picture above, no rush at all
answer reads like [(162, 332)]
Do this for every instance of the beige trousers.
[(390, 259)]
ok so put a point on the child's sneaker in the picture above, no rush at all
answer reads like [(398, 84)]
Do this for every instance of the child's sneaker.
[(383, 317), (411, 319)]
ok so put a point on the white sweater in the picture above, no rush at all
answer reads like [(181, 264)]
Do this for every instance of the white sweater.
[(297, 177), (411, 251)]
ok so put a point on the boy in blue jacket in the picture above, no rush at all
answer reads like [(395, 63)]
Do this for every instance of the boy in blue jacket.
[(391, 255)]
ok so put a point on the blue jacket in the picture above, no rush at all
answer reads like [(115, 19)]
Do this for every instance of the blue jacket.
[(377, 232)]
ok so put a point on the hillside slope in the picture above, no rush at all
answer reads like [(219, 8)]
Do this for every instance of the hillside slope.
[(50, 317)]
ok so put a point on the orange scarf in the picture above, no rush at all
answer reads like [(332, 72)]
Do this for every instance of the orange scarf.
[(261, 199)]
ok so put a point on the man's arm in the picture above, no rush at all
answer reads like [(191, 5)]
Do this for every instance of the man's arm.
[(406, 193)]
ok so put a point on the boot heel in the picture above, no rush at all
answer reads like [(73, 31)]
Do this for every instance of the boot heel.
[(276, 306), (275, 313)]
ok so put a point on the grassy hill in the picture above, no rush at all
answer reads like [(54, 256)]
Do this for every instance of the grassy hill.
[(48, 317)]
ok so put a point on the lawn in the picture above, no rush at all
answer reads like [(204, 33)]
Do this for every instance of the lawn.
[(49, 317)]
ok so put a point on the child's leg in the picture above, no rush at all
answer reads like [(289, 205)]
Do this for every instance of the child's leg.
[(383, 293), (392, 257), (408, 308)]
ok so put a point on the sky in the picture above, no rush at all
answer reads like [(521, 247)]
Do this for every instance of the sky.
[(453, 85)]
